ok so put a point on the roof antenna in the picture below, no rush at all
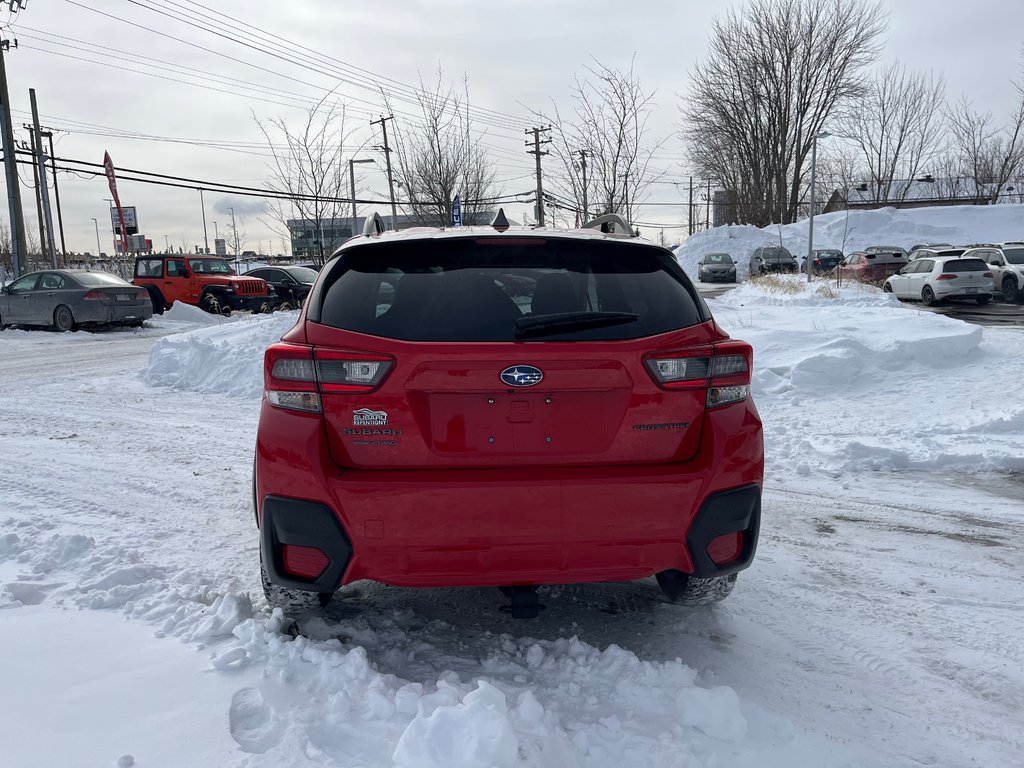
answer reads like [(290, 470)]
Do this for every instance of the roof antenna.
[(500, 223)]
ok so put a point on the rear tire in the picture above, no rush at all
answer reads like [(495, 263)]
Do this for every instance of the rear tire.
[(685, 589), (156, 299), (294, 602), (63, 319), (928, 296), (1010, 289)]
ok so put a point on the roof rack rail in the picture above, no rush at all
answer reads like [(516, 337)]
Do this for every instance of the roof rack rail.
[(610, 223), (374, 225)]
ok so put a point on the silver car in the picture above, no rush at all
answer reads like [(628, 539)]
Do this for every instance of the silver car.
[(67, 299)]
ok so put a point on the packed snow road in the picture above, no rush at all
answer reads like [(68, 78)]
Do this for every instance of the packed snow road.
[(879, 625)]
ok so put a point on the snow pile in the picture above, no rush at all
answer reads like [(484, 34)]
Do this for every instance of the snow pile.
[(959, 225), (226, 359), (355, 692), (542, 703), (189, 314), (849, 379)]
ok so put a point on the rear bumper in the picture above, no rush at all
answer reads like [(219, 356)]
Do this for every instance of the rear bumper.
[(949, 292), (495, 527), (101, 313)]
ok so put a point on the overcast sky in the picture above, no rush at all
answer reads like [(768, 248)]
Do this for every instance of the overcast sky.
[(518, 58)]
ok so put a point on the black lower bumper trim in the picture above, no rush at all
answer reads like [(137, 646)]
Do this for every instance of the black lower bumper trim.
[(737, 510), (303, 524)]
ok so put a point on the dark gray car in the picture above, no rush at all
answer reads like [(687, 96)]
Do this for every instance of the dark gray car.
[(772, 258), (716, 266), (67, 299)]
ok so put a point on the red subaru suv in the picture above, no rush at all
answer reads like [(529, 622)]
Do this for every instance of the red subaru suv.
[(482, 407)]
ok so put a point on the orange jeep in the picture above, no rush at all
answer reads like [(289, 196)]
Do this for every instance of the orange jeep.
[(208, 282)]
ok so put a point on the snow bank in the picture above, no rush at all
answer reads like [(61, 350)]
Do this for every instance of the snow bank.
[(225, 358), (851, 379), (887, 226)]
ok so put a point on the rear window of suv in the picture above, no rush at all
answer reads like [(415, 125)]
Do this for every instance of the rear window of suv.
[(476, 289)]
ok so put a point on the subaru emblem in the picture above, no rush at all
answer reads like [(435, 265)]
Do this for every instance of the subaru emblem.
[(522, 375)]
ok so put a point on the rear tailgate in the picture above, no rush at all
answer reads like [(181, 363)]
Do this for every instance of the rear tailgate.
[(446, 406), (568, 321)]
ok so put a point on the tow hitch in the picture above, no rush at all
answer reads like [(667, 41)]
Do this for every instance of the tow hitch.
[(524, 602)]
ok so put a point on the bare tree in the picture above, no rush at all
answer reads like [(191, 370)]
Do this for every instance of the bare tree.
[(441, 158), (991, 155), (309, 164), (235, 238), (776, 73), (898, 126), (606, 131), (6, 252)]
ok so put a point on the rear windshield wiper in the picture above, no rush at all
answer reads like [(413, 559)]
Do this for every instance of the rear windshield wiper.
[(566, 322)]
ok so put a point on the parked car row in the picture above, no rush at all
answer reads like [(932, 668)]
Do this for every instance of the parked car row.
[(69, 299), (946, 271)]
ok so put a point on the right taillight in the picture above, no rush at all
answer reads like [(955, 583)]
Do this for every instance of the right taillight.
[(296, 377), (722, 369)]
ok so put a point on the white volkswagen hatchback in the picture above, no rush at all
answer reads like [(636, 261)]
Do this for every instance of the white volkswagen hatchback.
[(932, 280)]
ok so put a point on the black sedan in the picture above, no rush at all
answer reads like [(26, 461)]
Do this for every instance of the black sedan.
[(67, 299), (292, 284)]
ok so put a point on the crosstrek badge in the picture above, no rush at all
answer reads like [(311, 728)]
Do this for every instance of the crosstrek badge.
[(364, 417)]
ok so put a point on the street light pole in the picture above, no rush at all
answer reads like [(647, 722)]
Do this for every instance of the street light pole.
[(810, 219), (352, 180), (234, 230), (216, 234), (98, 249)]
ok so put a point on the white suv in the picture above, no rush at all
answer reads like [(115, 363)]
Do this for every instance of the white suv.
[(1007, 265)]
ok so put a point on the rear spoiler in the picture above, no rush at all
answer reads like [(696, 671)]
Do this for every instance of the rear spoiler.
[(610, 224)]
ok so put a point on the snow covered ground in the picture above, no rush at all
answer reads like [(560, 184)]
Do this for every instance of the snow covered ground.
[(881, 623)]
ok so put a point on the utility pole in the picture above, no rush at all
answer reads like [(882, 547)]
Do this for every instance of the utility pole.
[(707, 212), (19, 249), (583, 164), (202, 204), (35, 181), (56, 195), (44, 192), (537, 153), (689, 211), (387, 157)]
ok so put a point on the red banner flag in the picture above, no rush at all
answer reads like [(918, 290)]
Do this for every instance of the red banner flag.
[(108, 167)]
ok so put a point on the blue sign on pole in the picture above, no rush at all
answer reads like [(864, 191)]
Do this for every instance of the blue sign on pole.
[(456, 212)]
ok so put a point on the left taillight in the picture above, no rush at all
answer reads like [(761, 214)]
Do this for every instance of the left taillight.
[(92, 295), (722, 369), (296, 377)]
